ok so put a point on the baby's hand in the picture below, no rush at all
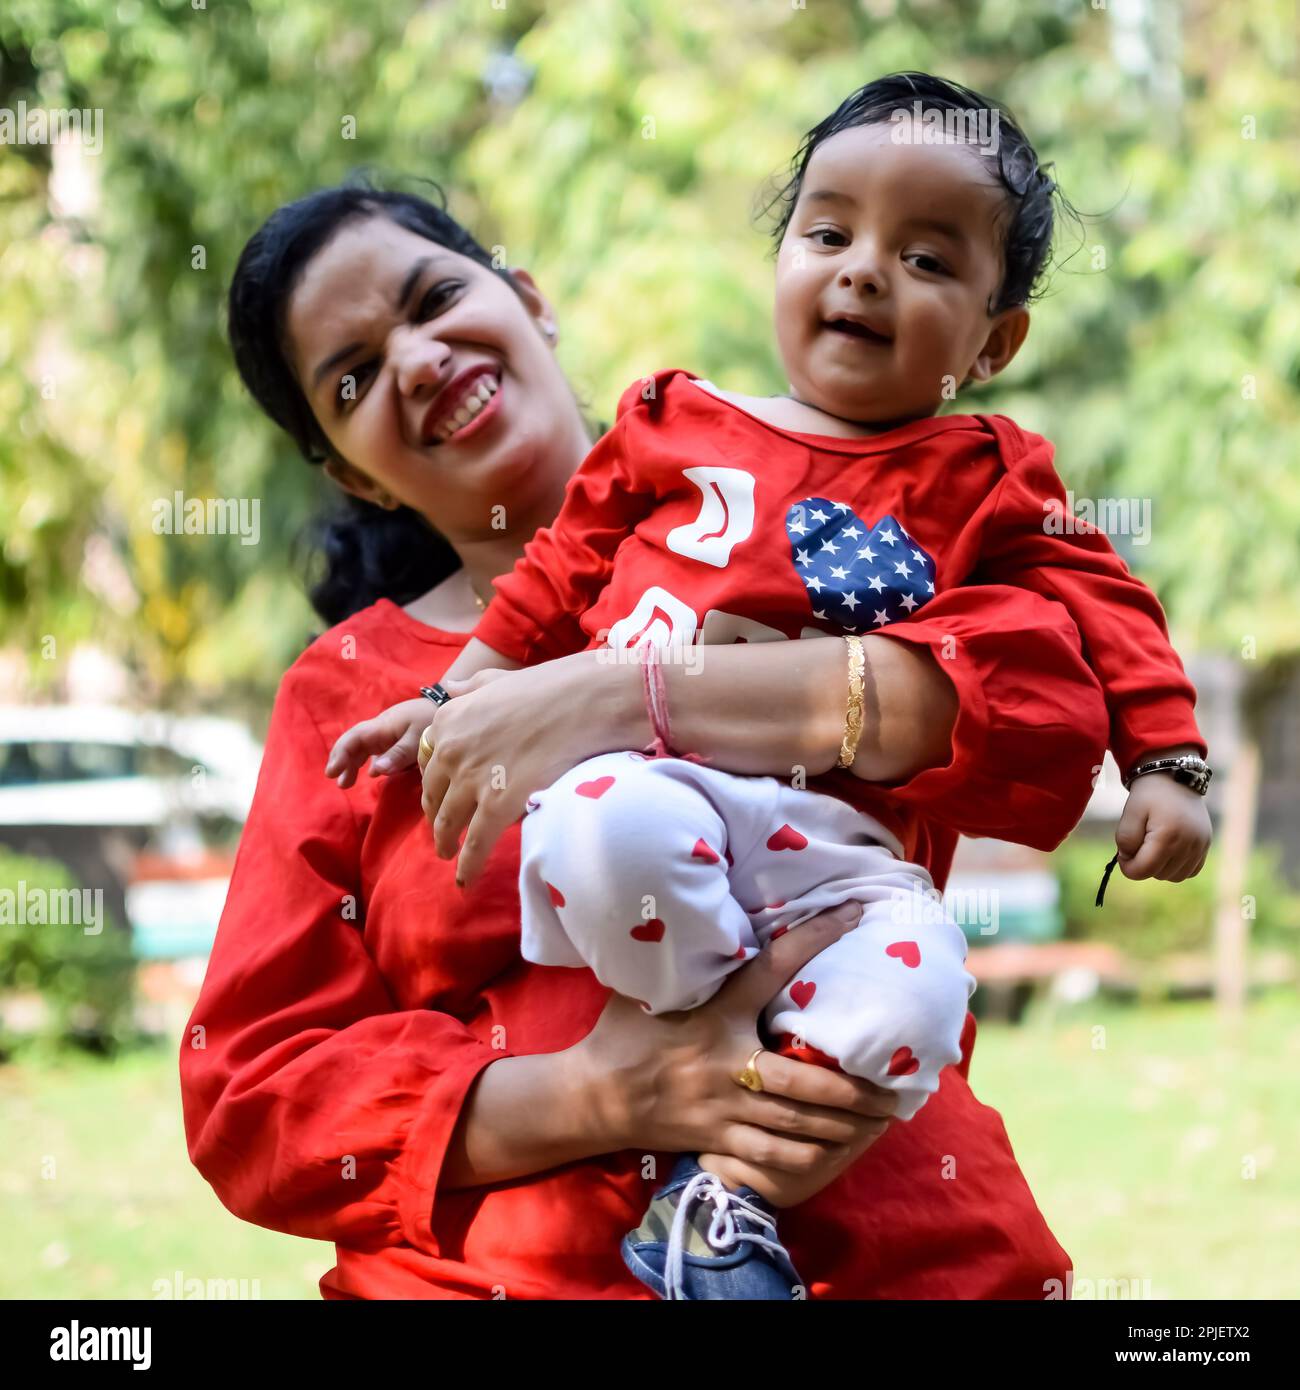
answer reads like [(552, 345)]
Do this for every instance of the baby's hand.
[(1164, 831), (393, 735)]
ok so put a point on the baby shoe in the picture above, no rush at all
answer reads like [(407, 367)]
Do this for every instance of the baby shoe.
[(700, 1239)]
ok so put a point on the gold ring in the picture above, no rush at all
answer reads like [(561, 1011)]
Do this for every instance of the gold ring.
[(749, 1078), (426, 750)]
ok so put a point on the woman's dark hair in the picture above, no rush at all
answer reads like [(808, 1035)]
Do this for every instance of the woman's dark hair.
[(365, 552), (1031, 192)]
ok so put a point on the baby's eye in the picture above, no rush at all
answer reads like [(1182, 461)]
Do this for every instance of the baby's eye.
[(930, 264), (831, 232)]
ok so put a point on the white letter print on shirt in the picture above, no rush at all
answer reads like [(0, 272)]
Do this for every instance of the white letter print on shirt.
[(659, 619), (721, 628), (726, 516)]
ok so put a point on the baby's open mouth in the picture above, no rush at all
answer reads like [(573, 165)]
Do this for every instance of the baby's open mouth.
[(857, 330)]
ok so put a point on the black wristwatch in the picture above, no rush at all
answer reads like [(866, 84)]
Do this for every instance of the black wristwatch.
[(1188, 769)]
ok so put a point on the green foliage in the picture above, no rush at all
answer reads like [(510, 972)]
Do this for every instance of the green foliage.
[(1165, 362), (85, 978), (1148, 919)]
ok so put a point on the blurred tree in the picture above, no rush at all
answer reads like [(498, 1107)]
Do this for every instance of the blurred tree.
[(617, 149), (84, 976)]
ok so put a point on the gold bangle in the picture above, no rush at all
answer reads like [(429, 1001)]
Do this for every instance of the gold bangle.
[(853, 714)]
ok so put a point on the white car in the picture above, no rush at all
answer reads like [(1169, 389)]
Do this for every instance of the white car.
[(86, 765), (146, 805)]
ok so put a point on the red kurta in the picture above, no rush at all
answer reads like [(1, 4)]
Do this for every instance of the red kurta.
[(354, 993)]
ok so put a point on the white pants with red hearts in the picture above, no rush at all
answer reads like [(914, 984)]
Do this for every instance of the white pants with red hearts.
[(664, 876)]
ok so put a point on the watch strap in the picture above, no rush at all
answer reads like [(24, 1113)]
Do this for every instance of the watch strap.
[(1187, 768)]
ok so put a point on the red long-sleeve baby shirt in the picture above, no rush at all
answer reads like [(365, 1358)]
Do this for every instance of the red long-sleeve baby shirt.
[(692, 520)]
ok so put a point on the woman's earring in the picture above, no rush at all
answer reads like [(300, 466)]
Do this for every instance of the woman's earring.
[(549, 330)]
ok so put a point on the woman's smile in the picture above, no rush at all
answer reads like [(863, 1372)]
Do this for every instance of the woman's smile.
[(463, 406)]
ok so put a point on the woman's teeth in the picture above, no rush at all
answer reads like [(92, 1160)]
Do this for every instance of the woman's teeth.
[(469, 408)]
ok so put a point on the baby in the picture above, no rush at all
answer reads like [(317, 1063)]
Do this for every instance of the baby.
[(909, 250)]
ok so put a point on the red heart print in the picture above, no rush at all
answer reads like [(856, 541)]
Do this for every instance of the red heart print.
[(653, 930), (557, 898), (780, 931), (773, 906), (802, 992), (787, 838), (705, 852), (906, 951), (903, 1062), (595, 789), (740, 953)]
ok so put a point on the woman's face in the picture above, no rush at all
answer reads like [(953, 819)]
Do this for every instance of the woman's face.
[(435, 383)]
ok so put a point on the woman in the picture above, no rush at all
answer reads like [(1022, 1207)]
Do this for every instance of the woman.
[(371, 1061)]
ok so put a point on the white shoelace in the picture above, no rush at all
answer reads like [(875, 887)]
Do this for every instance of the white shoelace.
[(722, 1233)]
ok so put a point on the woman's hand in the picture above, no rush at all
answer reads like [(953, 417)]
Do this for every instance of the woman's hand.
[(666, 1082), (505, 734)]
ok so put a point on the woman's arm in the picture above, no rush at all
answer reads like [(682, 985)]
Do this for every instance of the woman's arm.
[(774, 707), (665, 1084), (981, 715), (312, 1104)]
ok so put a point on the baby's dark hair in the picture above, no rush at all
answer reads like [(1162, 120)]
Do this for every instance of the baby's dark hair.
[(1032, 195)]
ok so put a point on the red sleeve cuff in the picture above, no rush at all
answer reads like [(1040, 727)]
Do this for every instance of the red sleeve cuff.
[(1031, 725), (501, 634), (1161, 723), (508, 630), (426, 1142)]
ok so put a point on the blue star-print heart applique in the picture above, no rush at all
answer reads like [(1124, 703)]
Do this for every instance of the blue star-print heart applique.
[(858, 577)]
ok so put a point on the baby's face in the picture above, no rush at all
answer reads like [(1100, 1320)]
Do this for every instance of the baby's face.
[(890, 260)]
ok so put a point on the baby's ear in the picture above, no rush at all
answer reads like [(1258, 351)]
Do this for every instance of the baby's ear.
[(1003, 342)]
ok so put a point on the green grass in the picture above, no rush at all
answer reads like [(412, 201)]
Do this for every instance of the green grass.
[(123, 1207), (1136, 1151), (1139, 1149)]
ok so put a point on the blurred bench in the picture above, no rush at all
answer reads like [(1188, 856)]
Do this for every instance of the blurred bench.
[(1011, 973)]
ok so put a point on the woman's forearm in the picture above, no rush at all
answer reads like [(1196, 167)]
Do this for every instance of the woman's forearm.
[(524, 1115), (773, 707)]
